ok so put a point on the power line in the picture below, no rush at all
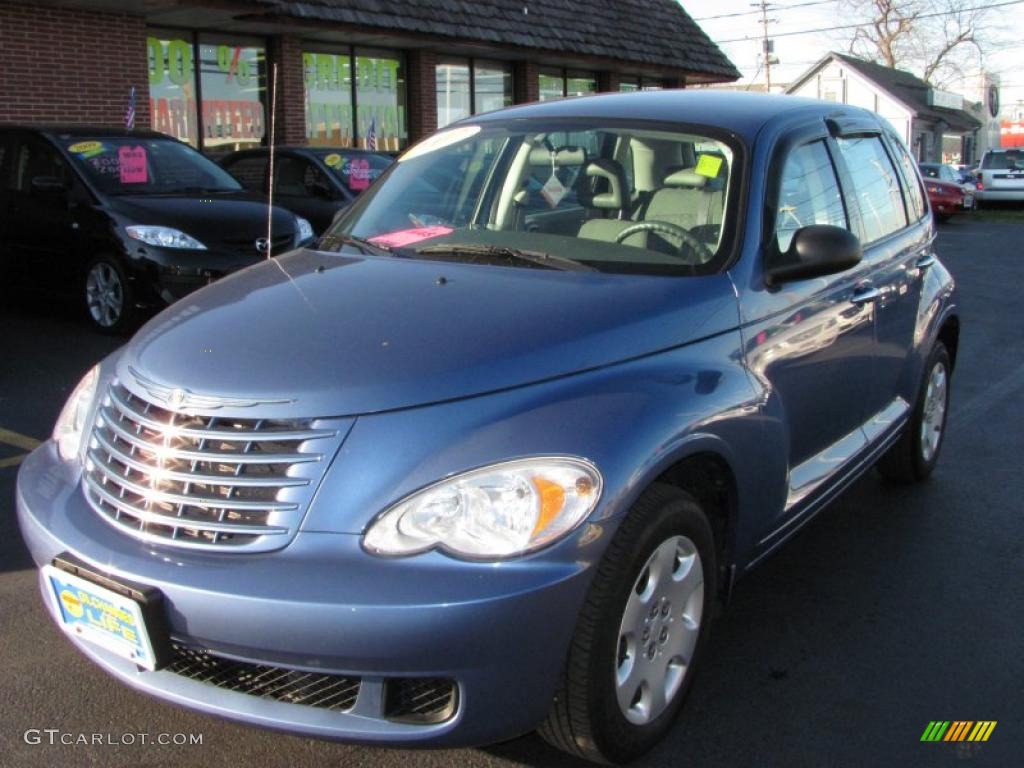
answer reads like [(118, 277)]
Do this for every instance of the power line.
[(751, 13), (935, 14)]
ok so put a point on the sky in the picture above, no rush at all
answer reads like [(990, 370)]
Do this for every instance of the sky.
[(796, 53)]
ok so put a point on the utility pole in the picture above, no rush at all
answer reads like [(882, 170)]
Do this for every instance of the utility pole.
[(767, 44)]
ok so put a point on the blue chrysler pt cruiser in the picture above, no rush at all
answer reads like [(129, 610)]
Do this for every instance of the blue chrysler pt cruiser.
[(485, 458)]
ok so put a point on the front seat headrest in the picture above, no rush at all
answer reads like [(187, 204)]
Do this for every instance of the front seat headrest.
[(686, 177), (602, 184)]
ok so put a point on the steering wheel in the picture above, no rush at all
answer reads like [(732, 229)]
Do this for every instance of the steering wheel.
[(664, 228)]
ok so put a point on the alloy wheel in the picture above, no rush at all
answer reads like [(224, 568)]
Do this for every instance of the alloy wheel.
[(933, 419), (104, 294)]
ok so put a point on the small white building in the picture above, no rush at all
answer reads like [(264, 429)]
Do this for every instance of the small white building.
[(925, 117)]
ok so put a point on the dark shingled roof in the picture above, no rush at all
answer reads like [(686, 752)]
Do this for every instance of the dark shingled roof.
[(908, 88), (644, 32)]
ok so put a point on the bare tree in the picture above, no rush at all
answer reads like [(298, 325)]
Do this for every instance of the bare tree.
[(939, 40)]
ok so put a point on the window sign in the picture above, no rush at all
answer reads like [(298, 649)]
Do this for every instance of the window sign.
[(380, 103), (172, 96), (328, 81), (233, 88)]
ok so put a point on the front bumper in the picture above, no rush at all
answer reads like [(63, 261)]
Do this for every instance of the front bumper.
[(323, 605)]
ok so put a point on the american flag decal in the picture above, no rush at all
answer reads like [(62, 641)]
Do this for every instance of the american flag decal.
[(129, 115)]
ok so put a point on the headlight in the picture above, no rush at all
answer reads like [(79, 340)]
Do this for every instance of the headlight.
[(165, 237), (498, 511), (68, 430), (303, 230)]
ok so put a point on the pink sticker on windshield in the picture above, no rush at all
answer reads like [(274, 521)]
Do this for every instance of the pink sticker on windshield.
[(358, 174), (132, 161), (410, 236)]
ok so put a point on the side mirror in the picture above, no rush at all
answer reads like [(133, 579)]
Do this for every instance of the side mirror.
[(48, 185), (816, 250)]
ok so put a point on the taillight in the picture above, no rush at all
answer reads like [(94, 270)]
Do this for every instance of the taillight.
[(978, 184)]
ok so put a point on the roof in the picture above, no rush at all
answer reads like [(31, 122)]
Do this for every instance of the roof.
[(904, 86), (644, 32), (740, 113)]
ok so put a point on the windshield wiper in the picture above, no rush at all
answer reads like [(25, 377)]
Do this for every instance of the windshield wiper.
[(328, 242), (540, 258)]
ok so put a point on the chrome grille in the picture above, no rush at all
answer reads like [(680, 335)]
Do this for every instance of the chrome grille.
[(201, 481)]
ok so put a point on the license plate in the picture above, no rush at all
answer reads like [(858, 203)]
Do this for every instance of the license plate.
[(101, 616), (968, 201)]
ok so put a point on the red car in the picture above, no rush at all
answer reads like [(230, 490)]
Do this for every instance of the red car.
[(945, 197)]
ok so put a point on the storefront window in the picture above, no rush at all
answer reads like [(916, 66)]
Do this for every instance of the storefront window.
[(380, 102), (172, 96), (492, 86), (468, 87), (580, 84), (328, 99), (557, 84), (552, 84), (233, 83), (453, 91), (629, 84)]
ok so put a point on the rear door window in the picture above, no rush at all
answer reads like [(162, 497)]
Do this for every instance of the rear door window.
[(809, 193), (876, 185)]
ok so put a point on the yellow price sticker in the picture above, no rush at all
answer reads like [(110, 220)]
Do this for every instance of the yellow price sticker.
[(709, 165), (332, 160), (82, 147)]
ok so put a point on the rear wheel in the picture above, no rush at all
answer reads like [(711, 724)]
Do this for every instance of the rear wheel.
[(914, 456), (109, 298), (640, 634)]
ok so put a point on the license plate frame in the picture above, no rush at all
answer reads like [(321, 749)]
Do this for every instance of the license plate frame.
[(124, 618)]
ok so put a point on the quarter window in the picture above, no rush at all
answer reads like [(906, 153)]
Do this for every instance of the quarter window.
[(875, 185), (809, 193), (915, 196), (250, 171)]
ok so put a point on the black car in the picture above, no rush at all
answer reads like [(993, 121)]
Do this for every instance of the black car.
[(312, 182), (126, 219)]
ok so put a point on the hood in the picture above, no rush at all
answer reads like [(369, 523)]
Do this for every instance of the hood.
[(225, 219), (333, 335)]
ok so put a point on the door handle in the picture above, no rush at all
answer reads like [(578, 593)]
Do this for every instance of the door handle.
[(925, 261), (866, 296)]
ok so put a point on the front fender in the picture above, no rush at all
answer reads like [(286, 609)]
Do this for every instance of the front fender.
[(633, 420)]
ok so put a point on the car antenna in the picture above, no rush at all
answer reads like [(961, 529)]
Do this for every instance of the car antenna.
[(270, 187)]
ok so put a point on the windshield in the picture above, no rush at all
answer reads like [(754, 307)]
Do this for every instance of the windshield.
[(607, 197), (130, 165), (355, 170)]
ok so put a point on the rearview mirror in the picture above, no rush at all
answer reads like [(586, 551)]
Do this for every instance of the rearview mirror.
[(49, 185), (816, 250)]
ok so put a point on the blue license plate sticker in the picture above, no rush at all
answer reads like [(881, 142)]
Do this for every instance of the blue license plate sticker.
[(100, 616)]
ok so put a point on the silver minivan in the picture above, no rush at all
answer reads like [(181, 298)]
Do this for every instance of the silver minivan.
[(1001, 176)]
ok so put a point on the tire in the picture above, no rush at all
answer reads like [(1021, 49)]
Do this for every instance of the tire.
[(914, 455), (108, 296), (586, 718)]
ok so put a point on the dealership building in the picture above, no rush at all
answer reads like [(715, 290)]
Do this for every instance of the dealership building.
[(349, 73)]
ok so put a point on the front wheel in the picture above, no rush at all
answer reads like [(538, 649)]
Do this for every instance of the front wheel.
[(640, 634), (915, 454), (109, 298)]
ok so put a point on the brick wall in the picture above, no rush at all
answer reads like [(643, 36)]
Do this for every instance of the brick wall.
[(291, 109), (525, 82), (69, 66), (421, 84)]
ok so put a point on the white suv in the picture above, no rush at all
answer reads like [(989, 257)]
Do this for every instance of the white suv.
[(1001, 175)]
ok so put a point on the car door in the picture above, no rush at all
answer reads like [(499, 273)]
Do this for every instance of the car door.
[(897, 241), (304, 189), (812, 342), (39, 208)]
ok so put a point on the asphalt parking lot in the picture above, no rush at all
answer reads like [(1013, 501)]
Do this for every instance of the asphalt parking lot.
[(896, 607)]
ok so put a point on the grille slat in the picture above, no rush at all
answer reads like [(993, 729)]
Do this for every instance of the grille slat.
[(324, 691), (193, 481)]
